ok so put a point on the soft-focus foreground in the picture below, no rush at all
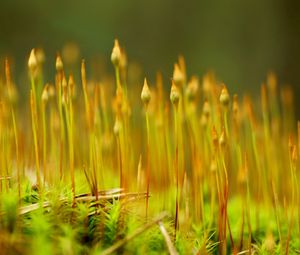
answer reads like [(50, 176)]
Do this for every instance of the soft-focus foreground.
[(116, 167)]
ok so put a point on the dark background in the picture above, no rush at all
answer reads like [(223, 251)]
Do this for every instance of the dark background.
[(241, 40)]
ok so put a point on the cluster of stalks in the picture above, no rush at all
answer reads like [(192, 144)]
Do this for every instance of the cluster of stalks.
[(189, 144)]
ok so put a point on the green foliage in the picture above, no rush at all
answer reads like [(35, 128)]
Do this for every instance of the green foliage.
[(9, 209), (39, 230), (112, 223)]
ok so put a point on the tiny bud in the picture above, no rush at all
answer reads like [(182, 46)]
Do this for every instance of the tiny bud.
[(192, 88), (64, 82), (224, 97), (59, 64), (178, 76), (116, 54), (32, 61), (174, 95), (45, 94), (146, 94), (71, 84)]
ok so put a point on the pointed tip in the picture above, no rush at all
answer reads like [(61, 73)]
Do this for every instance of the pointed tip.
[(116, 54), (58, 63), (145, 86), (116, 43), (146, 94), (32, 61), (178, 75)]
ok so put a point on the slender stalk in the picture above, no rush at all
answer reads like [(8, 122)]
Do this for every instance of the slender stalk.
[(71, 149), (294, 199), (35, 137), (226, 122), (120, 161), (176, 169), (146, 96), (148, 163), (117, 74), (44, 141), (249, 219), (69, 121), (276, 211), (62, 125), (17, 152)]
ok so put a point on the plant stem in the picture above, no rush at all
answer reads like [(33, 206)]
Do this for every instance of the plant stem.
[(17, 152), (44, 141), (35, 138), (120, 161), (176, 169), (148, 162)]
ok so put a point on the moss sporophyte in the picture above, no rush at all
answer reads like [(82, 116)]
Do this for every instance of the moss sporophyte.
[(128, 165)]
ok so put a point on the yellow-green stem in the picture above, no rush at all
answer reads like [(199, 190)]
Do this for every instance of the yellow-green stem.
[(17, 151), (44, 141), (148, 162), (35, 138), (176, 163)]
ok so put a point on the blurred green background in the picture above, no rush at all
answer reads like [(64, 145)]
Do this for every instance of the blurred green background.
[(241, 40)]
